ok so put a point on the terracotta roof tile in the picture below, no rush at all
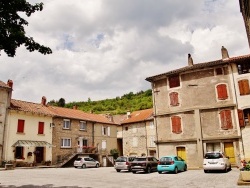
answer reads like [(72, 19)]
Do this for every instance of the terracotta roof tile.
[(245, 58), (138, 116), (2, 84), (30, 107)]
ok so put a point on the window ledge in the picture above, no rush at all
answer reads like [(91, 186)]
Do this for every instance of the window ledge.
[(20, 133), (41, 134)]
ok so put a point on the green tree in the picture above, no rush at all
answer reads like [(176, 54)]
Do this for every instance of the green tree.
[(61, 102), (12, 33)]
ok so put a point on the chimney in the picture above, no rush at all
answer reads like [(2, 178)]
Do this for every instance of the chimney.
[(128, 115), (10, 83), (75, 107), (224, 53), (190, 60), (44, 100)]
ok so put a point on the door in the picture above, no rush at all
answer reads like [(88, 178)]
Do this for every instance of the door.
[(104, 161), (39, 154), (229, 151), (181, 152)]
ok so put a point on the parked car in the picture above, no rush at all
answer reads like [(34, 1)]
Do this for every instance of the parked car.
[(86, 162), (216, 161), (146, 164), (123, 163), (171, 163)]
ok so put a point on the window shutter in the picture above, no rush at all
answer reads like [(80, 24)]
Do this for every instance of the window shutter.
[(174, 81), (176, 124), (226, 119), (222, 91), (108, 131), (20, 126), (244, 87), (174, 99), (241, 118), (102, 130), (40, 127)]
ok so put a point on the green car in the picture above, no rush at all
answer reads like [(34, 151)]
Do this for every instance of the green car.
[(171, 163)]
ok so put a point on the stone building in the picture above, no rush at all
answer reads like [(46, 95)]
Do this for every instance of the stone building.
[(196, 110), (138, 133)]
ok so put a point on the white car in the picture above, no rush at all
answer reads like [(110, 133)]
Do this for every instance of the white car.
[(85, 162), (216, 160)]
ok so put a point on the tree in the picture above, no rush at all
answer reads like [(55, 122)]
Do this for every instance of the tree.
[(61, 102), (12, 33)]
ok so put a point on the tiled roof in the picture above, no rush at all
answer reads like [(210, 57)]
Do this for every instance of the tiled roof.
[(244, 58), (78, 114), (2, 84), (138, 116), (30, 107)]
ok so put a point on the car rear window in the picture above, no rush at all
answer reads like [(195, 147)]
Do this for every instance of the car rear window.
[(166, 159), (78, 159), (213, 155), (121, 159), (140, 159)]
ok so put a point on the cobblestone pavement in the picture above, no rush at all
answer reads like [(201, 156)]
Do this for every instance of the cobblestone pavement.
[(108, 177)]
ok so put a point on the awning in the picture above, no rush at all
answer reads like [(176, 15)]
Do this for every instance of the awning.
[(29, 143)]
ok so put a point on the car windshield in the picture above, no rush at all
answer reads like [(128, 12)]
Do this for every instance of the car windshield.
[(213, 155), (121, 159), (140, 159)]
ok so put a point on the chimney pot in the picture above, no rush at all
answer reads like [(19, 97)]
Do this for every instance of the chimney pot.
[(224, 53), (44, 100), (190, 60)]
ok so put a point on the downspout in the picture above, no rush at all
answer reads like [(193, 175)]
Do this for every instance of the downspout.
[(93, 133), (243, 151), (155, 121), (146, 137)]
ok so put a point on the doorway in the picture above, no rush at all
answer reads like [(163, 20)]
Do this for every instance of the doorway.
[(39, 153), (181, 152), (229, 151)]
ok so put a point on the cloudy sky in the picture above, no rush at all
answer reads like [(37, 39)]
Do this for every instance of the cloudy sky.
[(106, 48)]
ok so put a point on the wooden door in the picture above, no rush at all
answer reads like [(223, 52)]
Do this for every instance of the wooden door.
[(181, 152), (39, 154), (229, 151)]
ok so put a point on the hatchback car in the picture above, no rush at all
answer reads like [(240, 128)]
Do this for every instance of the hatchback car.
[(123, 163), (146, 164), (86, 162), (216, 161), (171, 164)]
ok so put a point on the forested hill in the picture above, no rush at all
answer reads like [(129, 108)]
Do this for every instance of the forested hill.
[(119, 105)]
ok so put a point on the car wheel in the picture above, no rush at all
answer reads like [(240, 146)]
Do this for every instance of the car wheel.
[(129, 170), (148, 170), (206, 171), (134, 172), (159, 172), (176, 170), (185, 168), (84, 166), (230, 168), (225, 170), (118, 170), (97, 165)]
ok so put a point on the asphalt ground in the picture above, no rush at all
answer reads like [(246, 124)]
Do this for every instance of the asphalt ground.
[(107, 177)]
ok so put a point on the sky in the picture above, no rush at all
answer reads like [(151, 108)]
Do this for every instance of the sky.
[(104, 49)]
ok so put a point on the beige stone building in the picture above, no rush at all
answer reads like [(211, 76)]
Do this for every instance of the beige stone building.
[(138, 133), (196, 110), (5, 96)]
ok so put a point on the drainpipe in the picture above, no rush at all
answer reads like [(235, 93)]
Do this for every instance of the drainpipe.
[(146, 137), (93, 133)]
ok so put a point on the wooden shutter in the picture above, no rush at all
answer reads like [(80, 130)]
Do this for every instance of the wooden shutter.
[(174, 81), (40, 127), (241, 118), (244, 87), (174, 99), (222, 91), (108, 131), (176, 124), (226, 119), (20, 126)]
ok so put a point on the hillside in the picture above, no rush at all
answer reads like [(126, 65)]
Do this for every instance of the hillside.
[(119, 105)]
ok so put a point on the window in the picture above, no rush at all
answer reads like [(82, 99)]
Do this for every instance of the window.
[(243, 68), (126, 128), (105, 130), (174, 99), (66, 143), (174, 81), (241, 118), (66, 124), (151, 124), (19, 152), (176, 124), (218, 71), (83, 125), (222, 91), (135, 141), (20, 126), (226, 119), (104, 144), (40, 127), (244, 87)]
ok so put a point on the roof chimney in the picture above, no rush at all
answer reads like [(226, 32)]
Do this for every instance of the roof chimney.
[(10, 83), (44, 100), (224, 53), (128, 115), (75, 107), (190, 60)]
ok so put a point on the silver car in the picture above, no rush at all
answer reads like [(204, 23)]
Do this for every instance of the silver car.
[(85, 162), (123, 163), (216, 161)]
